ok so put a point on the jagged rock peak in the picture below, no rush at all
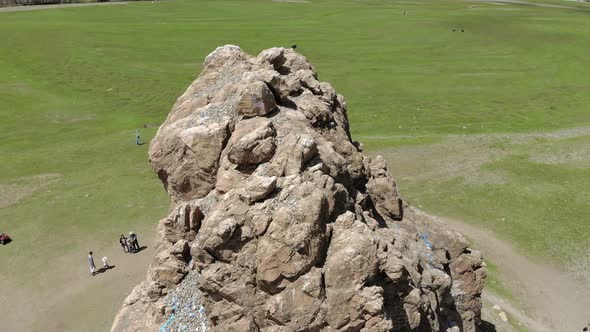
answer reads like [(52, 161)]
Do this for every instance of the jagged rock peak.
[(287, 224)]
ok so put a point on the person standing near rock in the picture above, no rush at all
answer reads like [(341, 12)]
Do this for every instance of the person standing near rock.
[(123, 242), (130, 245), (91, 263), (133, 242)]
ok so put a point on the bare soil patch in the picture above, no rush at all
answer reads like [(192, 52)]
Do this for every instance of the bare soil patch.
[(519, 2), (548, 299), (464, 155), (14, 191), (65, 297), (63, 5)]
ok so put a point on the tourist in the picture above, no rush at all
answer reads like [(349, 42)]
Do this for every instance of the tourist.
[(91, 263), (123, 242), (130, 245), (134, 242)]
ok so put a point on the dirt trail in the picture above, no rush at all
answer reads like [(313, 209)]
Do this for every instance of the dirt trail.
[(526, 3), (558, 134), (13, 191), (63, 5), (491, 299), (64, 297), (465, 155), (551, 299)]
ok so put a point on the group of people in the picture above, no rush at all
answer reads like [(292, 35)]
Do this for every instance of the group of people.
[(130, 245)]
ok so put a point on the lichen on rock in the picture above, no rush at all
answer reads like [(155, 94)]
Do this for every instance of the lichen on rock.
[(288, 226)]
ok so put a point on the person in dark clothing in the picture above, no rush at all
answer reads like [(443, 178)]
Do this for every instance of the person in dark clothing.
[(134, 242), (130, 245), (123, 242)]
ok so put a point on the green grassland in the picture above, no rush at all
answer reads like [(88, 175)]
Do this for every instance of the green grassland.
[(531, 191), (76, 83)]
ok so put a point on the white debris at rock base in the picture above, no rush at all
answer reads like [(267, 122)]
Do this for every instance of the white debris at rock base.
[(503, 317), (185, 306)]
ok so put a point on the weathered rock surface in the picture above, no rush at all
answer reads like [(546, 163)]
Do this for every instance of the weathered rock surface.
[(288, 226)]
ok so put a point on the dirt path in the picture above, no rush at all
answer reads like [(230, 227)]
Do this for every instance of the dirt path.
[(490, 299), (63, 5), (551, 299), (465, 155), (558, 134), (65, 297), (519, 2)]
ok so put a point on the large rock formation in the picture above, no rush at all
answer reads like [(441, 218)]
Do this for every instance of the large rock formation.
[(289, 226)]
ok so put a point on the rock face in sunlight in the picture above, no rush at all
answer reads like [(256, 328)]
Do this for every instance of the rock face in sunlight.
[(287, 224)]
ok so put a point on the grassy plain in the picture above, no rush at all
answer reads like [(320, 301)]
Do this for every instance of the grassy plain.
[(76, 83)]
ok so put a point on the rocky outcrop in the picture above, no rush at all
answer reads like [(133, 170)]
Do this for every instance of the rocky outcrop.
[(288, 225)]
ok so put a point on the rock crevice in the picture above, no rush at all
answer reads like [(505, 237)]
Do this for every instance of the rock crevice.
[(287, 224)]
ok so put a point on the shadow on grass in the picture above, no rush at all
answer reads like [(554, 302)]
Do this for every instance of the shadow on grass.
[(103, 270), (487, 326), (142, 248)]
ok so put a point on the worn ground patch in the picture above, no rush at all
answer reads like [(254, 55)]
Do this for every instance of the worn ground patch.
[(63, 5), (524, 3), (465, 155), (546, 297), (62, 296), (13, 191), (529, 190)]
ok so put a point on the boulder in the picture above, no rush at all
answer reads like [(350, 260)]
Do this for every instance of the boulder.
[(383, 191), (185, 159), (258, 188), (286, 224), (256, 99), (252, 142)]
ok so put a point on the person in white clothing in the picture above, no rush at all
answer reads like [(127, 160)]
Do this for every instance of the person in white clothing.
[(91, 263), (105, 263)]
